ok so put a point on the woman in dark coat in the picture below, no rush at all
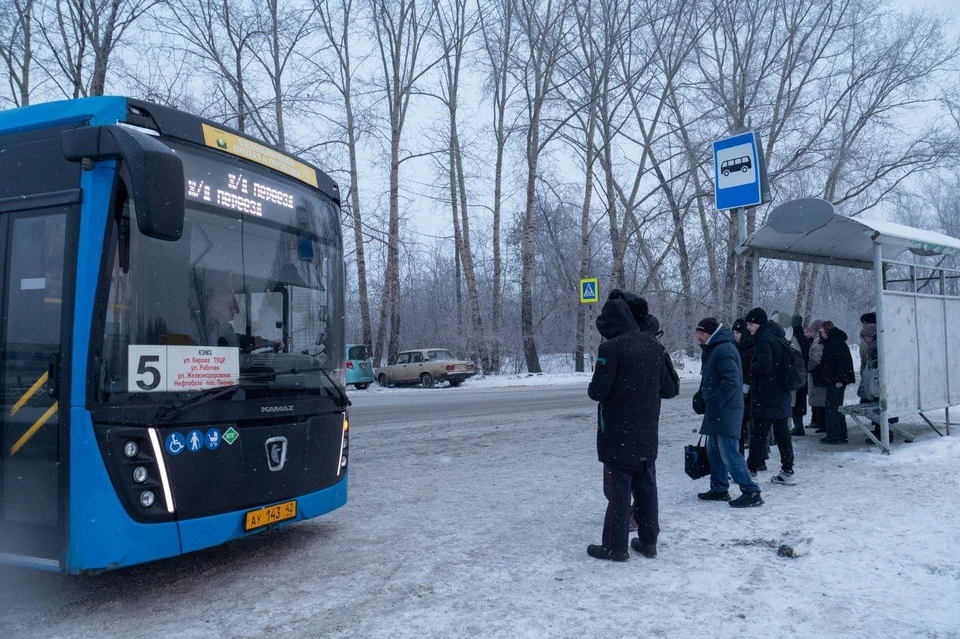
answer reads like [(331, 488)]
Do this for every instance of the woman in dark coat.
[(835, 372), (800, 396)]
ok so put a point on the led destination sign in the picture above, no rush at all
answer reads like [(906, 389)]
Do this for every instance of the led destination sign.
[(243, 189)]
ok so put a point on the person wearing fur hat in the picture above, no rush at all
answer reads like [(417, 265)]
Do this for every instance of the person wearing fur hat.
[(816, 395), (770, 406)]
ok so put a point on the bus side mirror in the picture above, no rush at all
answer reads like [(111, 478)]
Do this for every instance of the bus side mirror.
[(156, 173)]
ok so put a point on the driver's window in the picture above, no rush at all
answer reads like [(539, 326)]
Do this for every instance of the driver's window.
[(404, 358), (416, 358)]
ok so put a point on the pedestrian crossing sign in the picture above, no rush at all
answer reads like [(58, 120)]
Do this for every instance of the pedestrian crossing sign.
[(589, 291)]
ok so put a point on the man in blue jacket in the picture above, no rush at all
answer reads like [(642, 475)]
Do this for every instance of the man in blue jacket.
[(630, 379), (721, 387)]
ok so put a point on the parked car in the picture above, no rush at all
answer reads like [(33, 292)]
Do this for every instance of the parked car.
[(359, 366), (426, 366)]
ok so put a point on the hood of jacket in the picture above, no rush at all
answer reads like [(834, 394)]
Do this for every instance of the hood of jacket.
[(721, 335), (770, 328), (836, 335), (615, 319)]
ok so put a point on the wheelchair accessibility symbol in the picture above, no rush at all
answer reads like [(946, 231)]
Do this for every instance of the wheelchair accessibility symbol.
[(175, 443)]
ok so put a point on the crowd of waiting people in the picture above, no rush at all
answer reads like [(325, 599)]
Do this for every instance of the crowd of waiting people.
[(742, 396)]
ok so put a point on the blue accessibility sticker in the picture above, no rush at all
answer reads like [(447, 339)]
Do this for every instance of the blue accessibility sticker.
[(175, 443), (213, 439), (195, 441)]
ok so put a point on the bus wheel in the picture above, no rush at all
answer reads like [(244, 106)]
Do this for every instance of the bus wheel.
[(427, 380), (383, 381)]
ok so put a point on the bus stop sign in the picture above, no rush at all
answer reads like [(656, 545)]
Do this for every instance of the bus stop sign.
[(589, 291), (739, 172)]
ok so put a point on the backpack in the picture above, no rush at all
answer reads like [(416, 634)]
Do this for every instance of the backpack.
[(793, 370)]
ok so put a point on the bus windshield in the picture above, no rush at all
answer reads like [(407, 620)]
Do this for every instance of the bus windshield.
[(251, 294)]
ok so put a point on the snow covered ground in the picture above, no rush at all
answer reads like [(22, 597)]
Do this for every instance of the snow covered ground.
[(558, 371), (474, 521)]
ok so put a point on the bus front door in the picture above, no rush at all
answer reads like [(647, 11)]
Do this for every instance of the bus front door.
[(32, 246)]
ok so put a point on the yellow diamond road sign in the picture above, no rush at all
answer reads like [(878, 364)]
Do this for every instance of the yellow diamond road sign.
[(589, 291)]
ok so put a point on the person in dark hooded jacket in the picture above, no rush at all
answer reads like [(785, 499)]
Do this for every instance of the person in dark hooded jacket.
[(722, 389), (835, 372), (800, 395), (745, 344), (630, 379), (770, 405), (650, 325)]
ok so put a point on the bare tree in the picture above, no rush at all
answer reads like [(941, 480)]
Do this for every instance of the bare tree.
[(16, 48), (281, 33), (400, 27), (496, 21), (337, 23), (82, 35), (218, 33), (544, 27), (455, 25)]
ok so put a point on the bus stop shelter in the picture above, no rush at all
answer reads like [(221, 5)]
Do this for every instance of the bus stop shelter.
[(917, 302)]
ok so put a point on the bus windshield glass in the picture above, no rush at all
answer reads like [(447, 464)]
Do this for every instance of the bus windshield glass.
[(249, 295)]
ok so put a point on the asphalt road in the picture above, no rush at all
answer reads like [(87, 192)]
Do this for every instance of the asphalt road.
[(422, 463)]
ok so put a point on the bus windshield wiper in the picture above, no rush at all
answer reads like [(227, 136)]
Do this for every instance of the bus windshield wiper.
[(340, 396), (205, 396)]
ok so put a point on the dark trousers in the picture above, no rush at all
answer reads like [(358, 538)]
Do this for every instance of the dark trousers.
[(836, 422), (619, 485), (819, 417), (758, 438)]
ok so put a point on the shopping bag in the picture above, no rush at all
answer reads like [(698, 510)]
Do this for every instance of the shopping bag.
[(695, 460)]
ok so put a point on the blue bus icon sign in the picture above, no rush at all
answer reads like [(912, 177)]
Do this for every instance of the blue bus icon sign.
[(739, 176)]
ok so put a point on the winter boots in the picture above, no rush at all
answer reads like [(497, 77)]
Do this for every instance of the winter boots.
[(712, 495), (649, 551), (599, 552), (747, 500)]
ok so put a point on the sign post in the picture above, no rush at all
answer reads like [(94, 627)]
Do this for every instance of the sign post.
[(590, 294), (739, 182)]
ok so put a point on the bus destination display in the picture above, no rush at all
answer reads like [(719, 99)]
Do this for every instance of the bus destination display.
[(238, 189)]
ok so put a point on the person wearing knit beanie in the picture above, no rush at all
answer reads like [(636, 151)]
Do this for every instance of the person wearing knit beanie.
[(708, 326), (757, 316)]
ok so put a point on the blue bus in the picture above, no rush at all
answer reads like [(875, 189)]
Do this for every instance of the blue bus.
[(171, 336)]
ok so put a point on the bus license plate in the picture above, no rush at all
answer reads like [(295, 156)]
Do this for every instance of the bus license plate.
[(270, 515)]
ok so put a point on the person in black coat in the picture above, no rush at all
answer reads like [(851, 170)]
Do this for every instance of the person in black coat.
[(800, 395), (835, 372), (648, 324), (770, 405), (722, 389), (745, 344), (629, 381)]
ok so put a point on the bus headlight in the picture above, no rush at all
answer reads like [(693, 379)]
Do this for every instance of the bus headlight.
[(147, 498), (139, 474), (131, 450)]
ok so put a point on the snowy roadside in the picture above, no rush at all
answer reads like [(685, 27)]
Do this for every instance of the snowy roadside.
[(473, 526), (560, 375)]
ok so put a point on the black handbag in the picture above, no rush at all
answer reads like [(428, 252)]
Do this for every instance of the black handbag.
[(695, 461)]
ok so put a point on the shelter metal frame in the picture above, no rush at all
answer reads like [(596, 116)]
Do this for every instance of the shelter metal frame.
[(808, 230)]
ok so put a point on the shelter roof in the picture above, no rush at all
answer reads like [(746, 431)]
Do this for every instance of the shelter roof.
[(809, 230)]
